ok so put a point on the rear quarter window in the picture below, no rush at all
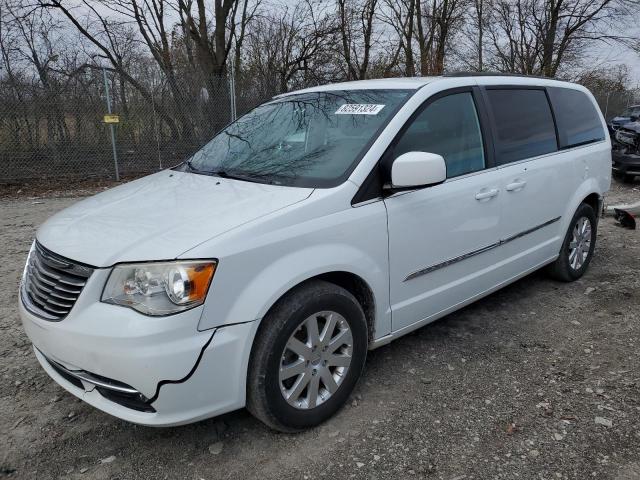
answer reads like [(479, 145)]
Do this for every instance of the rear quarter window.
[(523, 123), (576, 116)]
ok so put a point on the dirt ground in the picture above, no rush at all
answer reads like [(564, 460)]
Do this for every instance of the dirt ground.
[(538, 381)]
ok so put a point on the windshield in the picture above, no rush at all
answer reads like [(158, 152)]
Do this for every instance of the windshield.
[(305, 140), (632, 112)]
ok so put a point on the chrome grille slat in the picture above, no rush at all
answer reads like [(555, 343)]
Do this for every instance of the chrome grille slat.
[(38, 299), (38, 276), (62, 297), (36, 273), (53, 291), (42, 296), (57, 276), (52, 283)]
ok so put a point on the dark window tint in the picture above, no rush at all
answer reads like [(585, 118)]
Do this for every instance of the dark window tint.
[(523, 122), (577, 118), (449, 127)]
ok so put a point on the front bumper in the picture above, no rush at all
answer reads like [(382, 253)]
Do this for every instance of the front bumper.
[(625, 164), (181, 374)]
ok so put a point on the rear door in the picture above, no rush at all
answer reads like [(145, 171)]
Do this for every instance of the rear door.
[(538, 181), (442, 238)]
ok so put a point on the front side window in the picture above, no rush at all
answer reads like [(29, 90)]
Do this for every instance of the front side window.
[(576, 116), (448, 126), (306, 140), (523, 123)]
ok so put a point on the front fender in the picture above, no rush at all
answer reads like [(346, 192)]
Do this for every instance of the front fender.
[(266, 259), (286, 272)]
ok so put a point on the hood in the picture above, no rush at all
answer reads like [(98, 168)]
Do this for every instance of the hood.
[(159, 217), (620, 119), (624, 121)]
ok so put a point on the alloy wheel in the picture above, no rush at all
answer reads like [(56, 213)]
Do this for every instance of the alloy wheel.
[(580, 245), (315, 360)]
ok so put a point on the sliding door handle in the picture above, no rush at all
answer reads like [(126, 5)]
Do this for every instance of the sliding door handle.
[(516, 185), (485, 194)]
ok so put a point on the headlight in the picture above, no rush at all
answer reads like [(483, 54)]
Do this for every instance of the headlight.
[(159, 288)]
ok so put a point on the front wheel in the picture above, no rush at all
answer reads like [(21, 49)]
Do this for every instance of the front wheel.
[(308, 355), (577, 248)]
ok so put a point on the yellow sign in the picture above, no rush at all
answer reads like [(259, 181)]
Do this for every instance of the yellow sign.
[(111, 118)]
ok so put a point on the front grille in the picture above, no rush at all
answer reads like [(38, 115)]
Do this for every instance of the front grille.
[(52, 284)]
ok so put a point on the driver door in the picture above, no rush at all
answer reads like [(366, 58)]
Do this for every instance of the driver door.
[(443, 240)]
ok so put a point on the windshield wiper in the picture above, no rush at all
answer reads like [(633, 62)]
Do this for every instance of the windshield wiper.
[(246, 177), (191, 168)]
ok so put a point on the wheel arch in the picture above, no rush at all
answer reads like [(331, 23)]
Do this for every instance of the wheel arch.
[(593, 200), (355, 285), (589, 193), (351, 282)]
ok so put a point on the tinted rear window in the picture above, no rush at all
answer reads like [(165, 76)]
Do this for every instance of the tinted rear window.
[(576, 116), (523, 123)]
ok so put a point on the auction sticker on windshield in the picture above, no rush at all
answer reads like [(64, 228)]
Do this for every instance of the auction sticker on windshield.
[(359, 109)]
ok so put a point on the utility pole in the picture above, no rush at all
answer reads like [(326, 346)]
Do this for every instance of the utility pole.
[(111, 127)]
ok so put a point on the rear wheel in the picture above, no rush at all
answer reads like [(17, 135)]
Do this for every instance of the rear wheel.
[(307, 357), (577, 248)]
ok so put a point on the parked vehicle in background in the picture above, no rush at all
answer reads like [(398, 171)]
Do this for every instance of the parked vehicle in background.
[(630, 114), (625, 141), (324, 223)]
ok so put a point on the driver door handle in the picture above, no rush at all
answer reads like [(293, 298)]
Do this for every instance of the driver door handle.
[(516, 185), (485, 194)]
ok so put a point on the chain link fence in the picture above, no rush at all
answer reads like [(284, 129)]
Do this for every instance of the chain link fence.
[(614, 103), (51, 134)]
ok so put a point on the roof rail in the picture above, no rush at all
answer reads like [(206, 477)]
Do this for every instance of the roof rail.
[(493, 74)]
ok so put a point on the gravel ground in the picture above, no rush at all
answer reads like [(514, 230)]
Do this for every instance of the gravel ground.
[(540, 380)]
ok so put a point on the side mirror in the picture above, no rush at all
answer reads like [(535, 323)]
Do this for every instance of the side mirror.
[(418, 169)]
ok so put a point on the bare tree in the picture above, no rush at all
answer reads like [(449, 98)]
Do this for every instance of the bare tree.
[(436, 21), (356, 22), (481, 11), (541, 36), (37, 45), (213, 35), (400, 16), (289, 43), (104, 35)]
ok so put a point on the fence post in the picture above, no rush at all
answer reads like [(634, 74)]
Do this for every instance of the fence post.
[(232, 91), (113, 135), (156, 131)]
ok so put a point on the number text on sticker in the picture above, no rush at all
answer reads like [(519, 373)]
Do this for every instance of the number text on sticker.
[(359, 109)]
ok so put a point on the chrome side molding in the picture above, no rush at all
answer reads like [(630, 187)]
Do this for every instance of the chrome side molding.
[(464, 256)]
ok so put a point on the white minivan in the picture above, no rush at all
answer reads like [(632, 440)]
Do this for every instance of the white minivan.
[(321, 224)]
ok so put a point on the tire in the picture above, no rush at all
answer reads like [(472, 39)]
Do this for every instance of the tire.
[(567, 267), (279, 402)]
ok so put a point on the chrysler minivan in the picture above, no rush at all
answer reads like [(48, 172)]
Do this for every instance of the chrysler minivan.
[(323, 223)]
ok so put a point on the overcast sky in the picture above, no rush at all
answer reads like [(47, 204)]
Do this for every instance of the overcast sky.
[(604, 55)]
